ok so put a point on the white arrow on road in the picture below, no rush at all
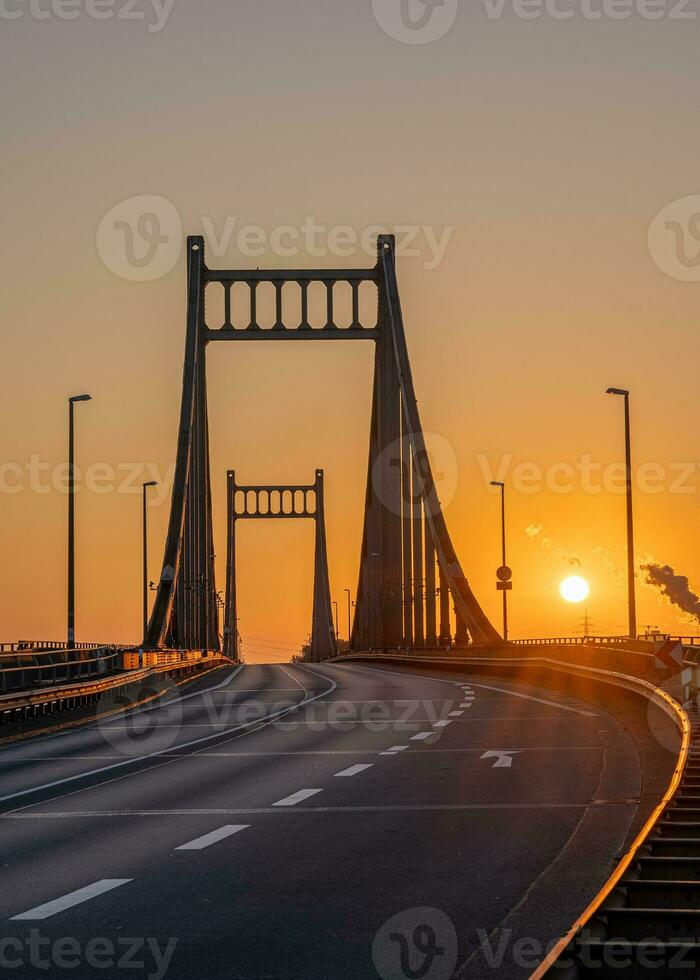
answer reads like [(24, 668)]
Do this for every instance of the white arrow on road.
[(504, 759)]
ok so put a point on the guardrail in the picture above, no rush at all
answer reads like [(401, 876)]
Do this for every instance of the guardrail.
[(647, 909), (572, 641), (30, 669), (639, 662), (68, 697), (45, 645), (24, 669)]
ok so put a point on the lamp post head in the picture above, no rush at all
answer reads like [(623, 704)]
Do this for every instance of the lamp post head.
[(80, 398), (617, 391), (497, 483), (151, 483)]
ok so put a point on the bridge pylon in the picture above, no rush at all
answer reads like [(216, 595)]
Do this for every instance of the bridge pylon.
[(285, 502), (409, 570)]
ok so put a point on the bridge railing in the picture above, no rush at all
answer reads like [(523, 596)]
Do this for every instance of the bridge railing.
[(20, 645), (24, 669), (605, 641), (137, 686)]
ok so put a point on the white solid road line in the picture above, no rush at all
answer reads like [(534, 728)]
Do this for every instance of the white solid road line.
[(531, 697), (421, 736), (73, 898), (484, 687), (292, 678), (176, 700), (260, 722), (295, 798), (353, 770), (199, 843)]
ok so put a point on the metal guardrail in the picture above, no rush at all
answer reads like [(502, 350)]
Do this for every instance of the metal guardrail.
[(19, 707), (645, 913), (20, 645), (29, 668), (607, 641), (635, 658)]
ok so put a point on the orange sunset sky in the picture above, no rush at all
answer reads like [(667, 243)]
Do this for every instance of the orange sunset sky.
[(537, 151)]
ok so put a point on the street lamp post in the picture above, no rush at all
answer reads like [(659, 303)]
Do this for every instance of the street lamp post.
[(151, 483), (335, 603), (71, 517), (349, 618), (631, 601), (503, 583)]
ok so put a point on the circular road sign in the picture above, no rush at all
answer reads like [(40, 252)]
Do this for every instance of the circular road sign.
[(504, 574)]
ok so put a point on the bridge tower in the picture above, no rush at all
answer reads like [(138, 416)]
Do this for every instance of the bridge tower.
[(281, 503), (409, 570)]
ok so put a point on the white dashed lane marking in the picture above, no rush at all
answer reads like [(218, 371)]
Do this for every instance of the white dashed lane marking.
[(421, 736), (71, 899), (299, 797), (199, 843), (353, 770)]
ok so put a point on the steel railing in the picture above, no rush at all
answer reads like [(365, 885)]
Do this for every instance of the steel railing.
[(572, 641), (25, 645), (26, 669), (29, 704)]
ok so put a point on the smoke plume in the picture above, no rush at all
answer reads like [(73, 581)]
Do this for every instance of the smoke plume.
[(534, 533), (674, 587)]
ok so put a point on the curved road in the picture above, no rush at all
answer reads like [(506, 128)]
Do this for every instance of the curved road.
[(312, 822)]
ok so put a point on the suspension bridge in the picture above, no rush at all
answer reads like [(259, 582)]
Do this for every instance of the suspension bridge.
[(433, 801)]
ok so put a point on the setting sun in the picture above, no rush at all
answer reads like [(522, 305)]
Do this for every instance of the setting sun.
[(574, 589)]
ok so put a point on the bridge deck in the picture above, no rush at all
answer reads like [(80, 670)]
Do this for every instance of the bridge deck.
[(339, 836)]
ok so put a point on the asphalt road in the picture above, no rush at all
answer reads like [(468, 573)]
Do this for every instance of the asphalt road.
[(312, 822)]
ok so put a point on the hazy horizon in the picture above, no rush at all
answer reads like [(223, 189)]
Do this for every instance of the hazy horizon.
[(529, 156)]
